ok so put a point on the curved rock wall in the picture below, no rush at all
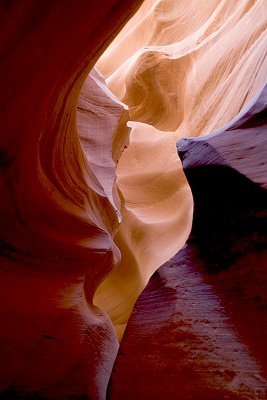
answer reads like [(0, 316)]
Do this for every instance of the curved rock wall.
[(181, 66), (85, 222), (198, 330), (57, 214), (184, 69)]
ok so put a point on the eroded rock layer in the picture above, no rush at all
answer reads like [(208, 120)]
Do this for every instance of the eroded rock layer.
[(84, 222), (198, 330), (57, 211), (184, 62), (185, 69)]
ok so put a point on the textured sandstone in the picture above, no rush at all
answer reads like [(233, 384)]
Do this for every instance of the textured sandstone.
[(84, 224), (184, 71), (198, 330), (184, 63), (57, 215)]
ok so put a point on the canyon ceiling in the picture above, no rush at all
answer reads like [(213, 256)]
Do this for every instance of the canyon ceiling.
[(133, 202)]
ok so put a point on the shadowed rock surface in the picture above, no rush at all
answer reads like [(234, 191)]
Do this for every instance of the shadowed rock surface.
[(85, 221), (57, 214), (185, 69), (198, 330)]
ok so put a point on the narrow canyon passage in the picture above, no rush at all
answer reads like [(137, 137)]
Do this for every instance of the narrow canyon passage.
[(133, 200)]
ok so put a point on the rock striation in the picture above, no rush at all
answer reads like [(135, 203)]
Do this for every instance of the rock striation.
[(94, 199), (181, 65), (57, 213), (183, 71), (198, 329)]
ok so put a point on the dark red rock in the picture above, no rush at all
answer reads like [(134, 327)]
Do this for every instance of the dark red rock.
[(54, 343)]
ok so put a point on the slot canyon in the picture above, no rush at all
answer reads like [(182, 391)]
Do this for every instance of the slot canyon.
[(133, 200)]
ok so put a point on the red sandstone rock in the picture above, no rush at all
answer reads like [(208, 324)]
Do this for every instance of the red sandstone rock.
[(198, 330), (186, 70), (56, 226)]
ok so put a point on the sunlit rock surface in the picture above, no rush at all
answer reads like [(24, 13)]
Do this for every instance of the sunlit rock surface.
[(85, 222), (184, 70), (189, 66), (198, 330)]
